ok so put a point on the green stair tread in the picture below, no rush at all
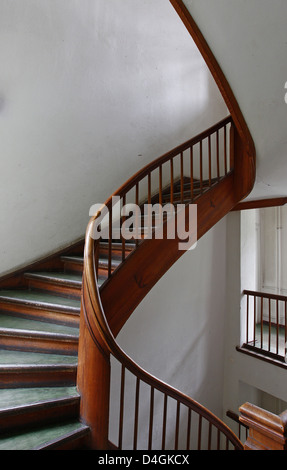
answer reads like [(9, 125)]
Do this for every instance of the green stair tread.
[(39, 437), (27, 396), (40, 299), (21, 358), (60, 277), (57, 276), (17, 323)]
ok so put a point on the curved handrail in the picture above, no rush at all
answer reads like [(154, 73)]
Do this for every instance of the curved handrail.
[(240, 165), (95, 316)]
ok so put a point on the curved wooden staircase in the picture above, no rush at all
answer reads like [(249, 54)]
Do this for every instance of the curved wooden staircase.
[(56, 396)]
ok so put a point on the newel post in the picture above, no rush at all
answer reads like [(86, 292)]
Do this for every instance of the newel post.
[(93, 384), (267, 431)]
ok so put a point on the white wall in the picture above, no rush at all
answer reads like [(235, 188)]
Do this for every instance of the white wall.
[(177, 332), (245, 377), (90, 91), (248, 38)]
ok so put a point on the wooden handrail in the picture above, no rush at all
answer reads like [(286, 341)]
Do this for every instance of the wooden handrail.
[(225, 183), (96, 321), (265, 295)]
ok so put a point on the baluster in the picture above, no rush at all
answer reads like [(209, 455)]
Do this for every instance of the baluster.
[(149, 188), (269, 331), (201, 173), (217, 154), (122, 399), (164, 422), (151, 418), (122, 237), (191, 174), (177, 425), (110, 242), (171, 180), (209, 436), (277, 326), (199, 432), (209, 159), (181, 178), (160, 185), (136, 413), (285, 327), (254, 322), (188, 429), (261, 322), (247, 320), (225, 151), (218, 439), (138, 218)]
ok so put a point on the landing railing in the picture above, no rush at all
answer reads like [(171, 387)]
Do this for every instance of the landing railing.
[(265, 325)]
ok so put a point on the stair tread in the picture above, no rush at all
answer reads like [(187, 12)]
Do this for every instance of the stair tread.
[(13, 358), (40, 436), (40, 299), (103, 259), (71, 278), (11, 398), (15, 323)]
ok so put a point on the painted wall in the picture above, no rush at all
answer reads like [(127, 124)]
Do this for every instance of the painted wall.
[(248, 38), (90, 91), (245, 378), (177, 334)]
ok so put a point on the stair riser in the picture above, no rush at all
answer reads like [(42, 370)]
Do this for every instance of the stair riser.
[(42, 314), (76, 441), (55, 287), (22, 377), (27, 417), (34, 344)]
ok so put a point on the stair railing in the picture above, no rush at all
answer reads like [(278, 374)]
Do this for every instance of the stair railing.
[(209, 164), (178, 177), (212, 433)]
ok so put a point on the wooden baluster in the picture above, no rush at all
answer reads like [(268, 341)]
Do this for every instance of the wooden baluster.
[(277, 326), (254, 322), (122, 403), (209, 159), (138, 218), (285, 328), (209, 436), (171, 180), (269, 330), (136, 414), (110, 242), (164, 423), (188, 429), (201, 171), (151, 418), (199, 432), (181, 178), (191, 174), (247, 320), (177, 426), (261, 315), (160, 185), (123, 238), (225, 151), (218, 439), (217, 155)]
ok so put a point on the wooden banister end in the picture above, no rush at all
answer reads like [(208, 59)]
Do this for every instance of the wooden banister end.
[(267, 431)]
